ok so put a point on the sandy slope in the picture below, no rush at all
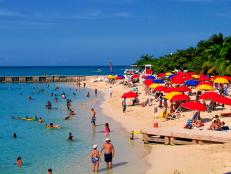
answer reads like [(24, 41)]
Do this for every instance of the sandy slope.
[(190, 159)]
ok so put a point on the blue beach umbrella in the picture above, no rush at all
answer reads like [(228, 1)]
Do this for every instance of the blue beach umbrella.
[(191, 83), (158, 81), (149, 77)]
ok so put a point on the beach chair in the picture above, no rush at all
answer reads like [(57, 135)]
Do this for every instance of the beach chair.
[(176, 114)]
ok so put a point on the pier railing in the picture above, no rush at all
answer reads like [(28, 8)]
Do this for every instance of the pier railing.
[(41, 79)]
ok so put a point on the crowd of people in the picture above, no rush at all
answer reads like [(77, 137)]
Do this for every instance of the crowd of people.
[(107, 149)]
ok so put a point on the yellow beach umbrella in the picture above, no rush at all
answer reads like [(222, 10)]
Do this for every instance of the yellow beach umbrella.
[(171, 94), (205, 87), (196, 76), (154, 85), (221, 80), (168, 73), (111, 76)]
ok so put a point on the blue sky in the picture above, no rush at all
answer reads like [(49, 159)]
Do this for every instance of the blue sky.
[(92, 32)]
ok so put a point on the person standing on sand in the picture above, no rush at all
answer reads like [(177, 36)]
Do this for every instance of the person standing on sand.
[(96, 92), (109, 152), (124, 105), (95, 158), (110, 92), (93, 118), (84, 85)]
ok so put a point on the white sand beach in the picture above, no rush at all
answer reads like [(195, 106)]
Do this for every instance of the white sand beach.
[(184, 159)]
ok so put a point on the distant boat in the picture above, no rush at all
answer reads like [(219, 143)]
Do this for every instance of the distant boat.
[(99, 70)]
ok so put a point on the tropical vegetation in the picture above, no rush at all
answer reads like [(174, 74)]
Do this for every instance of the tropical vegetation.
[(212, 56)]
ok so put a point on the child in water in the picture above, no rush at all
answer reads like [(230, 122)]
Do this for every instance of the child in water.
[(106, 130), (70, 137), (19, 162)]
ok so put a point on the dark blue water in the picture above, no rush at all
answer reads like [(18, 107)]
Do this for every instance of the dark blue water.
[(60, 70)]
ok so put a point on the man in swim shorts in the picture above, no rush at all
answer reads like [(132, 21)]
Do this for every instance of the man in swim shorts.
[(109, 152)]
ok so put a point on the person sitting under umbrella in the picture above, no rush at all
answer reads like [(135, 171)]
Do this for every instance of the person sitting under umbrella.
[(216, 124)]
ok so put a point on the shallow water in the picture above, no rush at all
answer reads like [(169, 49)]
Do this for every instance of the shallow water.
[(42, 148)]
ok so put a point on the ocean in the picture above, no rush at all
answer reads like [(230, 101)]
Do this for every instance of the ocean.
[(60, 70), (42, 148)]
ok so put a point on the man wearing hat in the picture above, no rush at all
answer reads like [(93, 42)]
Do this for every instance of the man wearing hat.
[(109, 152)]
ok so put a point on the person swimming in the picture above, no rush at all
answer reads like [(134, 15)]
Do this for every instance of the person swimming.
[(70, 137), (19, 162), (52, 125), (72, 112), (40, 120), (48, 105), (49, 171), (14, 135)]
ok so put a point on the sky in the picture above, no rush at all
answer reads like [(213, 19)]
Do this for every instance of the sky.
[(94, 32)]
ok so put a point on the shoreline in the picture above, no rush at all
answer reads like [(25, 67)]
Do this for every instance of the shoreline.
[(162, 159), (112, 113)]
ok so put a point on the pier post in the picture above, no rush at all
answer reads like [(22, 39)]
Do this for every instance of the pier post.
[(166, 140), (172, 141), (145, 139), (132, 135)]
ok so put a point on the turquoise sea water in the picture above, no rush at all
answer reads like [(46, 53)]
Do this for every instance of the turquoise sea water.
[(41, 148), (60, 70)]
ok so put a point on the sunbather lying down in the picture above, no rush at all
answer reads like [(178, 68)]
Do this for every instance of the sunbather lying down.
[(193, 124)]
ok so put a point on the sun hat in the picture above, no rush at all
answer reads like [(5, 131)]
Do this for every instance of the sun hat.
[(107, 139), (94, 146)]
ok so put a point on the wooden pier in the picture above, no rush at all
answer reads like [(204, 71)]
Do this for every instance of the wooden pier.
[(180, 136), (41, 79)]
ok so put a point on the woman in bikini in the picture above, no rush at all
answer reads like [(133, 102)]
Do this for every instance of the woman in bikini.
[(95, 157)]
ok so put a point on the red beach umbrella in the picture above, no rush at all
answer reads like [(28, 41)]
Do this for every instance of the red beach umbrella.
[(223, 100), (161, 88), (119, 77), (130, 95), (183, 89), (205, 83), (194, 105), (177, 80), (204, 78), (135, 76), (161, 75), (209, 96), (148, 82), (180, 97), (170, 89), (187, 77)]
